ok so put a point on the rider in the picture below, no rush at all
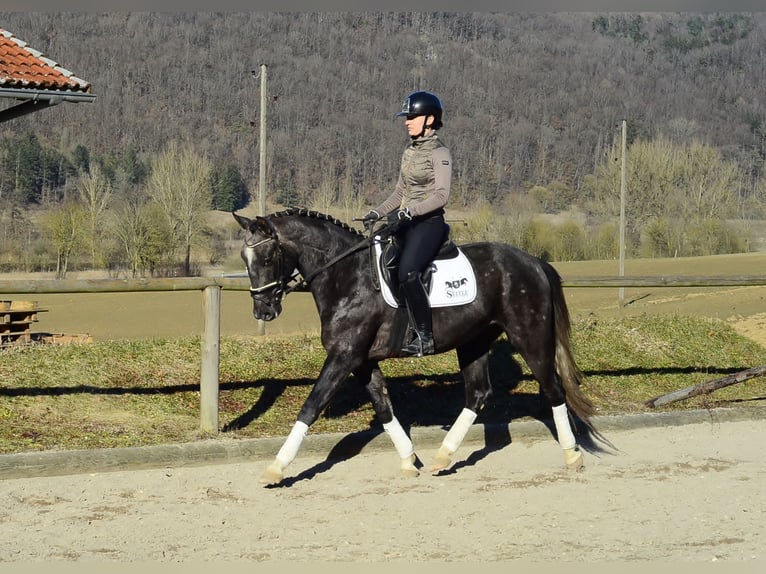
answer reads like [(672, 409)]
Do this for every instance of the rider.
[(415, 210)]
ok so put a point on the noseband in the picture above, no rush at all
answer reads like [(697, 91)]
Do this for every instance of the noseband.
[(279, 285)]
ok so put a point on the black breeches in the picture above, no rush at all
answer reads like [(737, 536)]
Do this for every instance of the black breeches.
[(422, 240)]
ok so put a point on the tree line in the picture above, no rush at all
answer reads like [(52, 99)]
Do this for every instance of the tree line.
[(533, 104), (156, 230)]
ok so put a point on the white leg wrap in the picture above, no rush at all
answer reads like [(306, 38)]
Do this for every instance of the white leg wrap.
[(289, 450), (563, 429), (402, 442), (457, 433)]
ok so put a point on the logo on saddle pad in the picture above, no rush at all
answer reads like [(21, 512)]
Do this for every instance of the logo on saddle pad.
[(452, 281)]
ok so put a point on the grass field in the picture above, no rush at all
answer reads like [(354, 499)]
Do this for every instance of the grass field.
[(138, 382)]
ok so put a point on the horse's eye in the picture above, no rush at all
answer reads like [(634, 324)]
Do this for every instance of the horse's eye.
[(267, 262)]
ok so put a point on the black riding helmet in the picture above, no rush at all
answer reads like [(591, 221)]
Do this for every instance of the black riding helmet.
[(423, 104)]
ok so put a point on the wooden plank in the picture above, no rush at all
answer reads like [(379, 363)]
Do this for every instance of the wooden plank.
[(15, 338), (61, 338), (20, 318), (706, 387), (22, 306)]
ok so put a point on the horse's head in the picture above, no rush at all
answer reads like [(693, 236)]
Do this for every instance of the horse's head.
[(265, 262)]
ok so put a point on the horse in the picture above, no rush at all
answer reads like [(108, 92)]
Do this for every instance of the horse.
[(516, 293)]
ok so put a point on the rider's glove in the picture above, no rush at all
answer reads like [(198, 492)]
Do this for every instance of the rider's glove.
[(369, 219), (398, 218)]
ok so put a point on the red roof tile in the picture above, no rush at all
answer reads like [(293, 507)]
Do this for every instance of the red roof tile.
[(26, 68)]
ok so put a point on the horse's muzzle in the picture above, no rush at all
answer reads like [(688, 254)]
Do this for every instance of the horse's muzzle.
[(266, 310)]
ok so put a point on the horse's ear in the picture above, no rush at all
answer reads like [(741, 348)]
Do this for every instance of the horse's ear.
[(243, 221)]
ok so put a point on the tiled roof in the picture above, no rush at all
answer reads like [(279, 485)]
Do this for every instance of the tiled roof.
[(22, 67)]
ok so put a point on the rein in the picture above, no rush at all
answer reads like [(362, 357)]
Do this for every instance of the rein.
[(280, 285), (303, 283)]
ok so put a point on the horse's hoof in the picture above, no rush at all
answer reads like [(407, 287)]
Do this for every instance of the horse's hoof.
[(440, 464), (441, 460), (574, 459), (272, 475), (408, 467), (410, 472)]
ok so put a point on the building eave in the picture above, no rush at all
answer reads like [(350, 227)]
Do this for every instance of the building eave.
[(33, 100)]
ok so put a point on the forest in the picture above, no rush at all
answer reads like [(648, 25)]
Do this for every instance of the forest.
[(534, 107)]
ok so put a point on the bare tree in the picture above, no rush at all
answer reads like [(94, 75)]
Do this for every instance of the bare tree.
[(95, 191), (132, 230), (180, 187), (64, 228)]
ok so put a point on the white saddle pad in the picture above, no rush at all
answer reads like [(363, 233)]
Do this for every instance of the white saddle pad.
[(453, 281)]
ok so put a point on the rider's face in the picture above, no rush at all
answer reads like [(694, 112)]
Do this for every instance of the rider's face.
[(415, 124)]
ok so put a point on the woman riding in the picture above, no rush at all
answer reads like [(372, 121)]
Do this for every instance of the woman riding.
[(415, 210)]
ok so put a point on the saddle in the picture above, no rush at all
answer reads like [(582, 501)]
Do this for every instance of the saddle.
[(448, 280)]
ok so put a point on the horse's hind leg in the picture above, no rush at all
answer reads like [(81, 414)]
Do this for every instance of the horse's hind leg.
[(381, 403), (474, 365), (550, 384), (572, 453)]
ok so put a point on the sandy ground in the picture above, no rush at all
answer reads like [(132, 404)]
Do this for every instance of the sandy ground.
[(691, 493), (753, 327)]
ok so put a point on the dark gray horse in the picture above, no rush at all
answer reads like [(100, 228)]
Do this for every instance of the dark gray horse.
[(516, 294)]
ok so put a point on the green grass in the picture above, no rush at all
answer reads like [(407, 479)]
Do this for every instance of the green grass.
[(133, 393)]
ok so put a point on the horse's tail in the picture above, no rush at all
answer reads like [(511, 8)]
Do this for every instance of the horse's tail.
[(566, 367)]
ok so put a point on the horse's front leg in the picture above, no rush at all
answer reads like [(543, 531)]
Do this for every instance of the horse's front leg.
[(381, 403), (334, 372)]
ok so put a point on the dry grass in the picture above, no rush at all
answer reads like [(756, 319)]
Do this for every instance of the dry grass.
[(131, 393), (138, 383)]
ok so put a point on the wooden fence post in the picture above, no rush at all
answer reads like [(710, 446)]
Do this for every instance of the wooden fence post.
[(211, 340)]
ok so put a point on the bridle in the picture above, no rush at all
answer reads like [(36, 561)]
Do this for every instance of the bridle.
[(278, 286)]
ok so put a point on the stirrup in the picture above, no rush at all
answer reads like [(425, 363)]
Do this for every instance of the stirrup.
[(421, 344)]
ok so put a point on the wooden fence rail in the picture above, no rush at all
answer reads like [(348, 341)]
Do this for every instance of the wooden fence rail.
[(211, 290), (665, 281), (121, 285)]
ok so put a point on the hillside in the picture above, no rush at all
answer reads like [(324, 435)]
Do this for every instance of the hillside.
[(530, 99)]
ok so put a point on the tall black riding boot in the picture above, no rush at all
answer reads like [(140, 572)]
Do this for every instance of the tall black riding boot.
[(419, 310)]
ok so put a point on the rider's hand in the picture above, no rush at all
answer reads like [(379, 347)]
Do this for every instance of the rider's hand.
[(398, 218), (369, 219)]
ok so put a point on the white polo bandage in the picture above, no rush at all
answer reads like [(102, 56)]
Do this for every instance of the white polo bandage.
[(402, 442), (563, 428), (289, 450), (457, 433)]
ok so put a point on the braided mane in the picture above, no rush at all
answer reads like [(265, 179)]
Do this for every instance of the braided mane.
[(303, 212)]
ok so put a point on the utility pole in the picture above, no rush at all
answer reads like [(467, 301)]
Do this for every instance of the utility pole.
[(262, 164), (622, 210), (262, 146)]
